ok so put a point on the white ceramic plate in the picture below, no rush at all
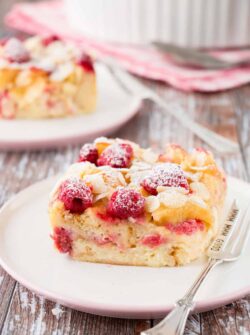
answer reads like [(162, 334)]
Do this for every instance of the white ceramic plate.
[(114, 108), (28, 255)]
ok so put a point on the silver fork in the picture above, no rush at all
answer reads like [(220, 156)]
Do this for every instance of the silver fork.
[(135, 87), (226, 247), (193, 57)]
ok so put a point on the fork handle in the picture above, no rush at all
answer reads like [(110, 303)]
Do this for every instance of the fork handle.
[(174, 323), (216, 141)]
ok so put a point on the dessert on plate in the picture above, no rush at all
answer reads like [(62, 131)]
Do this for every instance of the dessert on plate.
[(122, 204), (43, 77)]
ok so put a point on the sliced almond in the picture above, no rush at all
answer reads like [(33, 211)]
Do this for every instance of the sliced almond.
[(152, 203), (172, 199), (97, 182), (62, 72), (200, 190), (198, 201), (149, 156), (172, 189)]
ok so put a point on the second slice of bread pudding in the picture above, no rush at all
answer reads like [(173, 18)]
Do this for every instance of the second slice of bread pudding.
[(122, 204), (44, 78)]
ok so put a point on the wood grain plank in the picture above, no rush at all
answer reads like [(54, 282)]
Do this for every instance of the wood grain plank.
[(241, 104)]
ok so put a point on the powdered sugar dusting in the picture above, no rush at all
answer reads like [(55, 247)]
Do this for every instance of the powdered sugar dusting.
[(138, 171), (166, 174), (125, 203), (75, 194), (116, 155), (89, 153)]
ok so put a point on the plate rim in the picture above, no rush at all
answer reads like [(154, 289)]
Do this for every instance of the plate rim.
[(73, 139), (111, 310), (61, 140)]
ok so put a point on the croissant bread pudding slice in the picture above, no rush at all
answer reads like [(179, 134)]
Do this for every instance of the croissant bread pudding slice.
[(122, 204), (44, 78)]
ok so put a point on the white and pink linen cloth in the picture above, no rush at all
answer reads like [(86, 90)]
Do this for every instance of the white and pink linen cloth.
[(49, 17)]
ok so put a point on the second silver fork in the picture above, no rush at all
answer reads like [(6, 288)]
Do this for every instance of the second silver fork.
[(135, 87), (227, 247)]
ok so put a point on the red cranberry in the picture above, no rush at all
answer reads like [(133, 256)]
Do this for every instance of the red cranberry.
[(116, 155), (75, 195), (167, 174), (49, 39), (14, 51), (3, 41), (187, 227), (86, 63), (62, 240), (125, 203), (153, 240), (88, 153)]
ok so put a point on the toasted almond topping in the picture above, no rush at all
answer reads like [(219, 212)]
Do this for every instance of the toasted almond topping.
[(78, 169), (172, 199), (101, 196), (198, 201), (97, 182), (149, 156), (152, 203), (200, 190), (103, 140), (172, 189), (200, 168), (121, 178), (62, 72), (196, 176)]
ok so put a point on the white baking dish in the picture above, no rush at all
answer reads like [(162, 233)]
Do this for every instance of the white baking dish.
[(197, 23)]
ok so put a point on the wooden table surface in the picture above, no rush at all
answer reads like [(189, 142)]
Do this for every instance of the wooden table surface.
[(22, 312)]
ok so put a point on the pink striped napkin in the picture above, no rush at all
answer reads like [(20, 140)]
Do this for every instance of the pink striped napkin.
[(48, 17)]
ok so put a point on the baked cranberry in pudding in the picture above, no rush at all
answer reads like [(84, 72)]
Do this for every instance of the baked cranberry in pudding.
[(76, 195), (153, 240), (49, 39), (187, 227), (166, 174), (125, 203), (88, 153), (86, 63), (118, 155), (62, 239)]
